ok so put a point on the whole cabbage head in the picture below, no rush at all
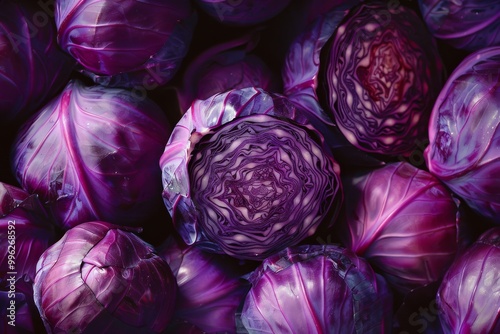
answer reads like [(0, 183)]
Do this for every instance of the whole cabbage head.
[(245, 173), (316, 289), (468, 298), (134, 44), (403, 220), (242, 12), (464, 133), (102, 278), (380, 74), (92, 154), (468, 24), (33, 67)]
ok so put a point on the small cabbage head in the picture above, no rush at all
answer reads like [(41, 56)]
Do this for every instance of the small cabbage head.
[(468, 24), (136, 44), (92, 154), (316, 289), (403, 220), (242, 12), (464, 133), (25, 233), (380, 75), (102, 278), (210, 289), (245, 173), (33, 67), (469, 295)]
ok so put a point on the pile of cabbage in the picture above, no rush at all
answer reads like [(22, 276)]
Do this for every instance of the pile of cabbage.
[(249, 166)]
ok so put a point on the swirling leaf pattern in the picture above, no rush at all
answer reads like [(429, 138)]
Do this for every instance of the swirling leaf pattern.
[(382, 73)]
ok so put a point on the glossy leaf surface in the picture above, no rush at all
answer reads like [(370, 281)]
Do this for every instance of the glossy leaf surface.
[(403, 221), (92, 153), (464, 134), (316, 289), (126, 43), (469, 296), (103, 278)]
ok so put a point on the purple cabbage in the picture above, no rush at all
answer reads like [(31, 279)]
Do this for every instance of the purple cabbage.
[(25, 233), (316, 289), (132, 44), (380, 75), (464, 133), (468, 24), (210, 289), (300, 75), (102, 278), (226, 66), (32, 66), (245, 173), (242, 12), (403, 220), (92, 154), (301, 67), (469, 295)]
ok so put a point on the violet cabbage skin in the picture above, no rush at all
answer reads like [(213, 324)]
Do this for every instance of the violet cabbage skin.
[(245, 173), (469, 295), (226, 66), (33, 67), (92, 154), (316, 289), (102, 278), (464, 136), (403, 220), (210, 287), (129, 44), (242, 12), (467, 25), (25, 233), (380, 75)]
